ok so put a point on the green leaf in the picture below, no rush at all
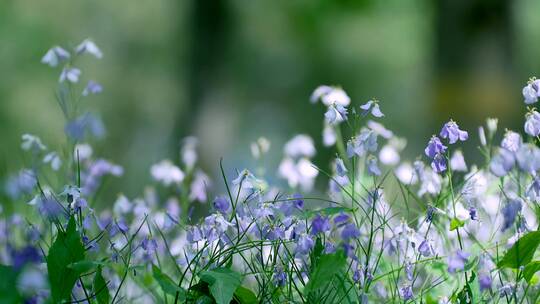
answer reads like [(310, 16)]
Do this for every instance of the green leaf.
[(85, 266), (100, 288), (167, 284), (521, 252), (8, 285), (327, 268), (456, 223), (67, 249), (245, 296), (222, 282), (530, 270)]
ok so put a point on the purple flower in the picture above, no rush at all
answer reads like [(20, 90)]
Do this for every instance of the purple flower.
[(425, 248), (320, 225), (149, 244), (406, 292), (409, 271), (89, 47), (439, 163), (434, 147), (299, 201), (341, 170), (92, 88), (533, 191), (451, 131), (457, 261), (373, 107), (28, 254), (473, 213), (304, 244), (531, 91), (509, 212), (280, 277), (485, 282), (350, 232), (341, 219)]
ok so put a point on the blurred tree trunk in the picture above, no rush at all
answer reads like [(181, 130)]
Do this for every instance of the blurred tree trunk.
[(209, 28), (473, 60)]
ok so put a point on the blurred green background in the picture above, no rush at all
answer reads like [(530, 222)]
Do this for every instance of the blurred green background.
[(230, 71)]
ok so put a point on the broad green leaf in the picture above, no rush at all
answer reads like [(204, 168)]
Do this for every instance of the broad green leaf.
[(245, 296), (222, 282), (530, 270), (100, 288), (67, 249), (521, 252), (8, 287), (327, 268), (456, 223), (167, 284)]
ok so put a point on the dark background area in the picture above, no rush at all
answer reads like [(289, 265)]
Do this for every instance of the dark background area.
[(231, 71)]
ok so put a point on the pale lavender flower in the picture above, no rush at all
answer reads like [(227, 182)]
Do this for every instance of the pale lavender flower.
[(531, 91), (92, 88), (298, 173), (335, 114), (167, 173), (511, 141), (457, 261), (533, 191), (425, 248), (502, 162), (409, 269), (365, 142), (380, 129), (372, 166), (300, 145), (341, 170), (434, 147), (199, 186), (89, 47), (189, 151), (304, 244), (54, 56), (373, 107), (86, 124), (149, 244), (319, 92), (532, 123), (20, 184), (70, 74), (280, 277), (451, 131), (528, 158)]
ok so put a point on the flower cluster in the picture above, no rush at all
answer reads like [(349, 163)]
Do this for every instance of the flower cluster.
[(387, 230)]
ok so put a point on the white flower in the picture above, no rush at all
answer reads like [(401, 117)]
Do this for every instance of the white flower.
[(330, 95), (88, 46), (329, 136), (457, 162), (70, 74), (406, 174), (54, 56), (260, 147), (167, 173), (82, 152), (54, 160), (389, 155), (32, 142), (189, 151), (301, 173), (300, 145), (122, 205)]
